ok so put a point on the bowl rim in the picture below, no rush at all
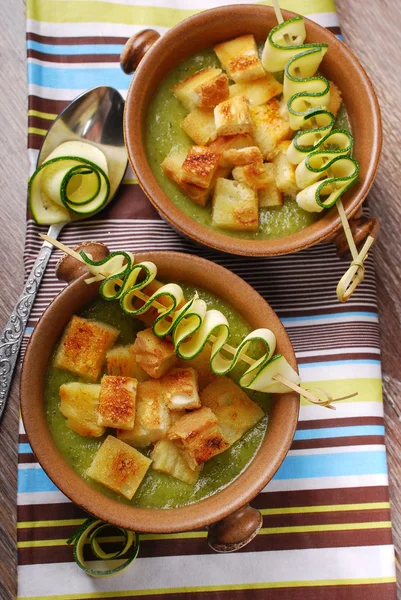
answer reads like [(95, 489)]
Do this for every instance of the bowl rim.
[(326, 227), (199, 514)]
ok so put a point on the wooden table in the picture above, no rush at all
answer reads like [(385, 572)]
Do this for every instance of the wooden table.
[(371, 29)]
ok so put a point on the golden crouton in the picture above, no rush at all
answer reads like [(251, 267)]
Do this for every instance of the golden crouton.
[(284, 171), (255, 176), (235, 206), (269, 127), (175, 415), (233, 117), (335, 99), (83, 347), (152, 417), (180, 387), (226, 142), (172, 166), (121, 361), (243, 156), (199, 436), (270, 196), (199, 125), (117, 402), (201, 364), (206, 88), (239, 57), (151, 314), (79, 404), (257, 92), (199, 166), (119, 467), (168, 458), (235, 412), (155, 355)]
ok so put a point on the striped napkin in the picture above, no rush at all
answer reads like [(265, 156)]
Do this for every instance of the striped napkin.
[(326, 533)]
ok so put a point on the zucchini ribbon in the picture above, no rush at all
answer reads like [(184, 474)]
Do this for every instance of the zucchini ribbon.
[(191, 325), (325, 168)]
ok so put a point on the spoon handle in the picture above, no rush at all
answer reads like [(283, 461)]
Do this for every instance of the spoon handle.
[(13, 332)]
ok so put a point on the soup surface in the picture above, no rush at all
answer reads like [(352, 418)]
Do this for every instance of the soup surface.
[(164, 133), (157, 490)]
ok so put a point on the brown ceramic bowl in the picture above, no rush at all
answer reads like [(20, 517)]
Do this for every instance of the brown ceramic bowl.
[(279, 434), (205, 30)]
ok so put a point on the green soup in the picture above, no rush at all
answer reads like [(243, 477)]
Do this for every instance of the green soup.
[(164, 133), (157, 490)]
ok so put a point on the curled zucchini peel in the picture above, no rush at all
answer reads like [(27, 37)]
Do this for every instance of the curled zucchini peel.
[(191, 326), (325, 169)]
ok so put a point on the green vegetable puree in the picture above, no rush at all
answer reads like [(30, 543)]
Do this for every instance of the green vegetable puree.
[(164, 133), (157, 490)]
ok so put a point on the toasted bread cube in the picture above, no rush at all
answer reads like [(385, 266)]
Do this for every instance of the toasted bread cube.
[(201, 364), (176, 415), (199, 166), (235, 412), (119, 467), (121, 361), (255, 176), (232, 117), (83, 347), (79, 404), (269, 127), (172, 166), (270, 196), (242, 156), (199, 125), (180, 388), (235, 206), (152, 417), (226, 142), (257, 92), (335, 99), (199, 436), (150, 315), (239, 57), (156, 356), (117, 402), (168, 458), (284, 171), (206, 88)]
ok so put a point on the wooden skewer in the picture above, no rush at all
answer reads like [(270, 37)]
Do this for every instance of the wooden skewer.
[(306, 393)]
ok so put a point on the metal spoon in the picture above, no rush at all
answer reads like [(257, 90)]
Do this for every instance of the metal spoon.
[(95, 116)]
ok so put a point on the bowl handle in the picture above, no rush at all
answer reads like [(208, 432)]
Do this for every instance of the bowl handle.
[(69, 268), (135, 49), (361, 228), (236, 530)]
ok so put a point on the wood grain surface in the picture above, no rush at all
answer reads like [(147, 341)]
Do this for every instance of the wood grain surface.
[(372, 30)]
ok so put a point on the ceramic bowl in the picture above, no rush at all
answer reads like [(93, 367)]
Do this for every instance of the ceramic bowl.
[(279, 434), (204, 30)]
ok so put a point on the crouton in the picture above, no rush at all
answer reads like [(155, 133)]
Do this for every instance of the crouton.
[(269, 127), (201, 364), (199, 436), (117, 402), (180, 388), (175, 415), (83, 347), (79, 404), (235, 412), (200, 126), (119, 467), (259, 91), (239, 58), (255, 176), (199, 166), (152, 417), (242, 156), (226, 142), (284, 171), (233, 117), (235, 206), (172, 166), (335, 99), (206, 88), (121, 361), (168, 458), (156, 356), (270, 196)]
